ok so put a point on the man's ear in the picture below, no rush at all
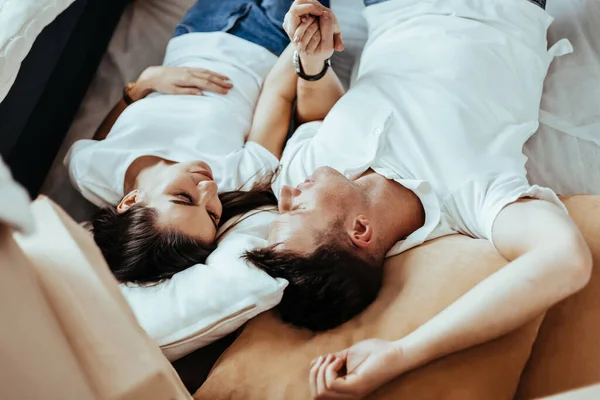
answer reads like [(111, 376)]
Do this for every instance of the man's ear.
[(130, 199), (361, 233)]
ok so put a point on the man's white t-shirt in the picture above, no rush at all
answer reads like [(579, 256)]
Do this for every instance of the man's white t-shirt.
[(212, 128), (447, 93)]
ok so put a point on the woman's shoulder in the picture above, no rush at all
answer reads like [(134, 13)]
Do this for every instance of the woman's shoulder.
[(75, 158), (96, 171)]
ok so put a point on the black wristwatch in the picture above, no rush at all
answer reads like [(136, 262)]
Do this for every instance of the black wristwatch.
[(302, 74)]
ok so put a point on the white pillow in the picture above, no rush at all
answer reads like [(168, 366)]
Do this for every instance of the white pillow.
[(207, 302), (21, 21)]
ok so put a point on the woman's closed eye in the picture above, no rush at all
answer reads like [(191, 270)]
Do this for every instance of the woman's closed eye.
[(186, 196), (188, 200), (214, 217)]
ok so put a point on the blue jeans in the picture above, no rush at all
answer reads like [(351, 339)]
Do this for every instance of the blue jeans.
[(258, 21), (541, 3)]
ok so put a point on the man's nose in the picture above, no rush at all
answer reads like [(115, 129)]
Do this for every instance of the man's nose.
[(286, 198)]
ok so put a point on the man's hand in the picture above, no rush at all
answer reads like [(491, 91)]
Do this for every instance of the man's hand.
[(314, 29), (357, 371), (180, 80)]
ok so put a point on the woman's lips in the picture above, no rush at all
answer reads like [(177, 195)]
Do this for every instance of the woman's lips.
[(205, 173)]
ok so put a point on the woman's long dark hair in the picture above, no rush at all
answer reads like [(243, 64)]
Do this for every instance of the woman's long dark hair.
[(139, 250)]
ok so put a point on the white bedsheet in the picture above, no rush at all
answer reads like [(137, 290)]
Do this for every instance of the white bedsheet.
[(564, 156), (565, 152)]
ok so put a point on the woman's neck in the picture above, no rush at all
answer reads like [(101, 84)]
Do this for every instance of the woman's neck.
[(134, 173)]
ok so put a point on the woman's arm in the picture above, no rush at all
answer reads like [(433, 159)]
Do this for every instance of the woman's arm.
[(139, 91), (274, 108), (110, 120), (168, 80)]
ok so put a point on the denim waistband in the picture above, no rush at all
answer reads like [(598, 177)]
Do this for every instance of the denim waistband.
[(258, 21)]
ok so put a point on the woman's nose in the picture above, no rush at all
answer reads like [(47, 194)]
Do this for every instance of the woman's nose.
[(209, 196), (207, 189)]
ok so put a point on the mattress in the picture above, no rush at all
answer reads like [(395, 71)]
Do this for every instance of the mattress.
[(564, 154)]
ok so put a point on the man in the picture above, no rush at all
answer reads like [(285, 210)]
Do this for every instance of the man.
[(426, 143)]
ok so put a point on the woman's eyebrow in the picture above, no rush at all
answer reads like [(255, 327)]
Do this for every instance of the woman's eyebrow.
[(213, 218)]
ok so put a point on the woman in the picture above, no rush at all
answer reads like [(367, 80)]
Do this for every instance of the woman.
[(174, 166)]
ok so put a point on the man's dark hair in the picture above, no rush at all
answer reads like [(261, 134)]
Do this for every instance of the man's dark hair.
[(138, 250), (326, 288)]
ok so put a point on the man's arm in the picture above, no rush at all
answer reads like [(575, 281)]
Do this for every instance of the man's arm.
[(316, 99), (316, 45), (274, 108)]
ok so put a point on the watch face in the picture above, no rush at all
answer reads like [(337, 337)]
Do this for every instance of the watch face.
[(126, 90), (130, 86)]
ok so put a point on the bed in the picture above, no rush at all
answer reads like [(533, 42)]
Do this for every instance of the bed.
[(564, 155)]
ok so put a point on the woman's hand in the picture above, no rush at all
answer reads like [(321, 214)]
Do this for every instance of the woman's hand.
[(180, 80), (314, 29), (357, 371)]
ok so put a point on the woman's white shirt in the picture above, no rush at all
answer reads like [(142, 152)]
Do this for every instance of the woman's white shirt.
[(212, 128)]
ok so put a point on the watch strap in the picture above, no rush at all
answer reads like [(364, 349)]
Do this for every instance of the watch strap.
[(303, 75)]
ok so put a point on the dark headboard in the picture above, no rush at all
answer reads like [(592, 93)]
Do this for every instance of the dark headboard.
[(37, 112)]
